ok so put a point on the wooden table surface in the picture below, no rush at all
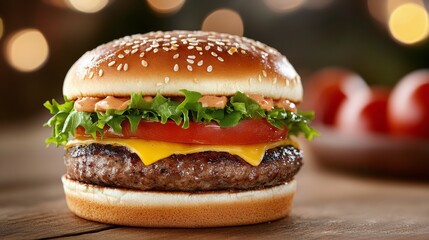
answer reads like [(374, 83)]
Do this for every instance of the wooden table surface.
[(327, 205)]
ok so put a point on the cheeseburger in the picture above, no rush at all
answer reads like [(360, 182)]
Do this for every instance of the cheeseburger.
[(180, 129)]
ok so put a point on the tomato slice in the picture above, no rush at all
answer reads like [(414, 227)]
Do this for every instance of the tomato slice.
[(246, 132)]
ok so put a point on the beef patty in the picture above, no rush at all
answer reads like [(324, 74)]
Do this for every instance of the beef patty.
[(116, 166)]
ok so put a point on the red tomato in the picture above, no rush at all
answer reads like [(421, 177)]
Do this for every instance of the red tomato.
[(364, 112), (246, 132), (408, 108), (327, 89)]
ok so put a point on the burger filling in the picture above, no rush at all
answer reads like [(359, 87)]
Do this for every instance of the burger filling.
[(98, 116), (190, 143)]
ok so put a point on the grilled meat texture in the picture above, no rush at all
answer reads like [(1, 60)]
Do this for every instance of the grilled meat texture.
[(116, 166)]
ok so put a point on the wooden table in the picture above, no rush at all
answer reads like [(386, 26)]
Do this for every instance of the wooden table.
[(327, 205)]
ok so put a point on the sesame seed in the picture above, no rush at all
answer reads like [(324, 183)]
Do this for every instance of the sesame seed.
[(191, 56), (111, 63), (91, 75), (190, 47), (232, 50), (176, 56), (144, 63), (259, 78), (199, 48), (190, 61), (148, 49), (134, 51), (213, 54), (100, 72), (166, 79), (166, 49), (264, 73), (243, 52), (219, 49), (141, 54), (220, 59), (176, 67), (200, 63), (120, 56), (128, 44), (189, 68), (207, 48), (210, 44), (125, 66), (209, 68), (126, 51), (155, 50), (201, 53), (119, 67)]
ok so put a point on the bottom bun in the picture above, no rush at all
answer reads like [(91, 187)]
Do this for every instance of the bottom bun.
[(178, 209)]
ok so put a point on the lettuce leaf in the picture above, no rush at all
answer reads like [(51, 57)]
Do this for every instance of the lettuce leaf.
[(161, 109)]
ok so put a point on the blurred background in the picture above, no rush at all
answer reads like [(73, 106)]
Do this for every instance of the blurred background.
[(380, 40), (337, 46)]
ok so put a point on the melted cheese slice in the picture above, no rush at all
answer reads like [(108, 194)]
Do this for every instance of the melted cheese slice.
[(152, 151)]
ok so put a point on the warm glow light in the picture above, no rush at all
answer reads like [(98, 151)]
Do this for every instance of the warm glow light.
[(166, 6), (282, 6), (1, 28), (88, 6), (378, 9), (391, 5), (382, 9), (408, 23), (225, 21), (27, 50)]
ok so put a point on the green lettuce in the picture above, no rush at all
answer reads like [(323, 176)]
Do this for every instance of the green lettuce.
[(161, 109)]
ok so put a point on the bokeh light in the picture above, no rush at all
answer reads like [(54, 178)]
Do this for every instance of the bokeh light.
[(87, 6), (378, 9), (1, 28), (165, 6), (408, 23), (224, 20), (391, 5), (27, 50), (382, 9), (282, 6)]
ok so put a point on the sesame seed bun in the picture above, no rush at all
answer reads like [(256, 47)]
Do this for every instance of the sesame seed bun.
[(177, 209), (166, 62)]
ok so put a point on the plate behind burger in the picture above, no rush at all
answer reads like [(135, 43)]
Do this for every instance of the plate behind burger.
[(180, 129)]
